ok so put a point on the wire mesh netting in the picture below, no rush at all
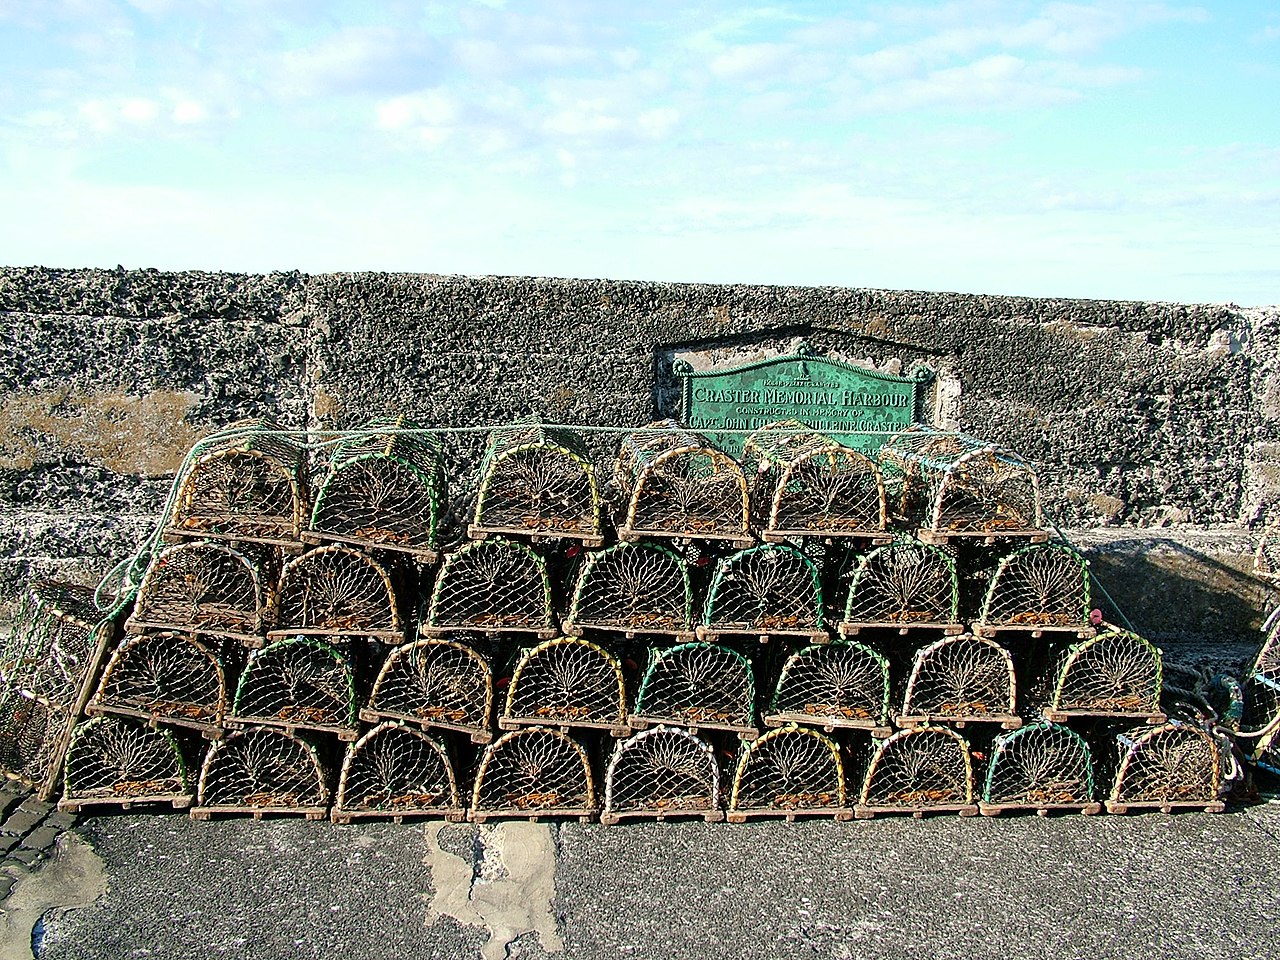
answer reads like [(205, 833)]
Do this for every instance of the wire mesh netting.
[(166, 677), (534, 772), (491, 585), (806, 484), (791, 772), (841, 684), (262, 770), (633, 588), (334, 591), (928, 768), (674, 484), (698, 685), (537, 480), (249, 484), (1268, 659), (765, 590), (396, 771), (1267, 560), (955, 485), (434, 683), (118, 760), (33, 737), (299, 682), (1040, 587), (1173, 765), (662, 772), (904, 584), (961, 679), (567, 682), (382, 489), (202, 587), (1115, 674), (1042, 766), (1260, 715)]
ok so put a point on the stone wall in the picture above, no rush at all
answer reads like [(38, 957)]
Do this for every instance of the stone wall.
[(1141, 415)]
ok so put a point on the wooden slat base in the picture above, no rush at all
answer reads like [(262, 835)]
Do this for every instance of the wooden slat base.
[(861, 812), (829, 724), (210, 729), (841, 814), (346, 734), (618, 729), (477, 734), (1088, 809), (1036, 630), (258, 813), (872, 537), (178, 801), (387, 636), (450, 814), (851, 629), (247, 637), (581, 814), (629, 630), (1153, 719), (425, 554), (1165, 806), (712, 634), (738, 541), (909, 721), (939, 537), (638, 722), (535, 534), (614, 817), (541, 631), (286, 541)]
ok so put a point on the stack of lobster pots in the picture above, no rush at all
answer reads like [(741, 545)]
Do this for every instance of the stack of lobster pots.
[(799, 630)]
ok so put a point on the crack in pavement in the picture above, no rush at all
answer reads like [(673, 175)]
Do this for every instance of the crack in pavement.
[(74, 876), (508, 892)]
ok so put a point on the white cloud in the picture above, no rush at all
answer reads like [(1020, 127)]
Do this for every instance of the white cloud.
[(746, 60), (585, 118), (358, 60), (189, 111)]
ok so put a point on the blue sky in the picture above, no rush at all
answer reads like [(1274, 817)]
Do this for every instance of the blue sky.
[(1093, 149)]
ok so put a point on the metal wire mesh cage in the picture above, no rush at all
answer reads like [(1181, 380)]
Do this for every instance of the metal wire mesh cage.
[(633, 588), (567, 682), (337, 591), (117, 761), (837, 685), (906, 585), (953, 485), (662, 772), (1115, 674), (700, 686), (917, 771), (1260, 714), (675, 484), (434, 683), (48, 666), (1267, 560), (202, 587), (961, 679), (1042, 587), (768, 590), (247, 482), (167, 677), (1268, 659), (299, 683), (533, 772), (493, 586), (540, 481), (394, 771), (383, 488), (1041, 767), (805, 484), (262, 770), (1166, 767), (790, 772)]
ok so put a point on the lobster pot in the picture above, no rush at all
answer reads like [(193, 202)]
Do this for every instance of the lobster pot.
[(247, 482), (299, 683), (662, 772), (1268, 659), (808, 485), (953, 485), (118, 761), (395, 771), (916, 771), (262, 770), (539, 481), (1040, 767), (169, 678), (1043, 587), (961, 679), (632, 588), (534, 772), (493, 586), (1115, 674), (49, 665), (567, 682), (843, 684), (788, 772), (904, 584), (337, 591), (201, 587), (1267, 560), (383, 489), (769, 590), (700, 686), (1260, 715), (674, 484), (434, 683), (1173, 765)]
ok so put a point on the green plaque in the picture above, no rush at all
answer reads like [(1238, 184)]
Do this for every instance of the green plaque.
[(851, 404)]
